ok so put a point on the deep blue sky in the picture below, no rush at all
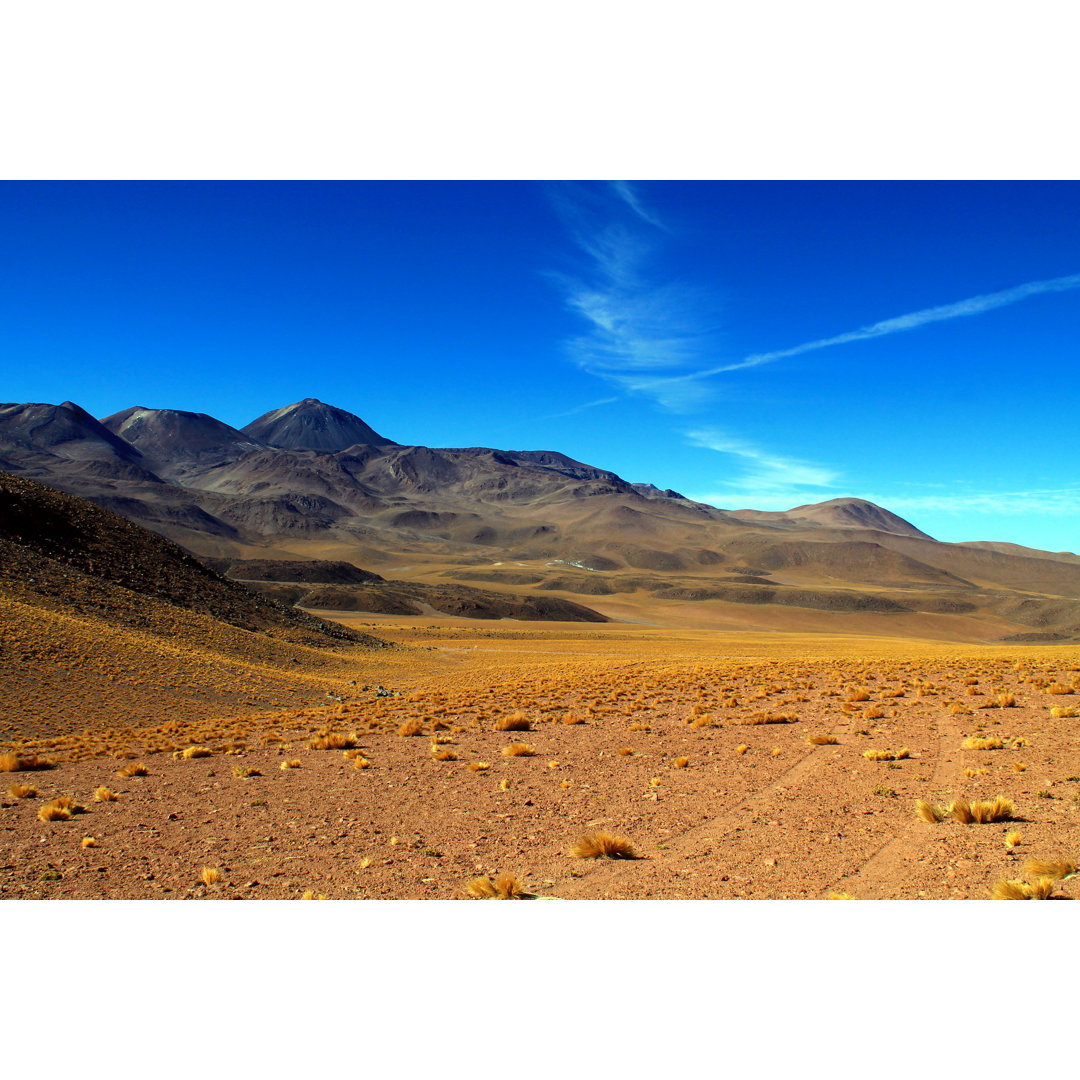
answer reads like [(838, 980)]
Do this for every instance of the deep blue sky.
[(593, 319)]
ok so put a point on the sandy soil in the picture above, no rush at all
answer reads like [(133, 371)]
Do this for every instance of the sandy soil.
[(782, 819)]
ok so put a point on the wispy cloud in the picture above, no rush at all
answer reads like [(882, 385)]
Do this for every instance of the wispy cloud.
[(1054, 501), (974, 305), (582, 408), (638, 326), (765, 480)]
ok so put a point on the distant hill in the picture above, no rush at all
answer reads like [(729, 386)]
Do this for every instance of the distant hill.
[(312, 425), (310, 482)]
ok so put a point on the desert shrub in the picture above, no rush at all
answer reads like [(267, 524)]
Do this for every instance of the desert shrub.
[(514, 722), (133, 770), (333, 740), (22, 791), (413, 726), (975, 743), (504, 887), (104, 794), (14, 763), (822, 740), (518, 749), (602, 845)]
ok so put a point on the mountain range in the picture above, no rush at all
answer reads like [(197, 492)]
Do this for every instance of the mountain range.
[(310, 486)]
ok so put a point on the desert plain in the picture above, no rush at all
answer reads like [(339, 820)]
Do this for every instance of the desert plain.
[(750, 765)]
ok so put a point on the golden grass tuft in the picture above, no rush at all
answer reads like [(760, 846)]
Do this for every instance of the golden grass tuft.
[(840, 896), (1055, 871), (194, 752), (518, 749), (104, 794), (514, 722), (1059, 712), (479, 766), (210, 875), (334, 740), (928, 811), (52, 812), (1042, 889), (626, 751), (444, 755), (822, 740), (598, 844), (741, 748), (875, 712), (880, 755), (858, 695), (702, 720), (573, 718), (89, 841), (22, 791), (138, 769), (504, 887), (975, 743), (767, 718), (481, 888), (414, 726), (982, 813), (361, 763), (681, 762), (14, 763), (1006, 701), (1019, 766), (292, 763), (1058, 688), (1012, 840), (242, 773), (504, 784)]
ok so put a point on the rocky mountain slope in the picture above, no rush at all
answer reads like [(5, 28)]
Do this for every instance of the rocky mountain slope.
[(312, 482)]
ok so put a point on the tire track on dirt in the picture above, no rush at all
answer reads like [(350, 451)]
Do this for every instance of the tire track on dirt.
[(711, 833), (875, 879)]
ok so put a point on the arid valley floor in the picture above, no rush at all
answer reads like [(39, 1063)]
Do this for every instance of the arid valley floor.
[(698, 747)]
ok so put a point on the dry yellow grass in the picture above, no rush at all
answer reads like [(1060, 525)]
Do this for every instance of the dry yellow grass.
[(928, 811), (414, 726), (518, 749), (626, 751), (194, 752), (975, 743), (479, 766), (598, 844), (1059, 712), (291, 763), (879, 755), (767, 718), (444, 755), (840, 896), (333, 740), (822, 740), (1013, 839), (242, 773), (741, 748), (104, 794), (1055, 871), (514, 722), (1058, 688), (361, 763), (52, 812), (22, 791), (504, 887), (1042, 889), (129, 771), (89, 841), (681, 762), (210, 875), (982, 813), (14, 763), (573, 718)]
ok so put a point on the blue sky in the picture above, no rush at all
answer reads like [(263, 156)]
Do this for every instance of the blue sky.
[(748, 344)]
